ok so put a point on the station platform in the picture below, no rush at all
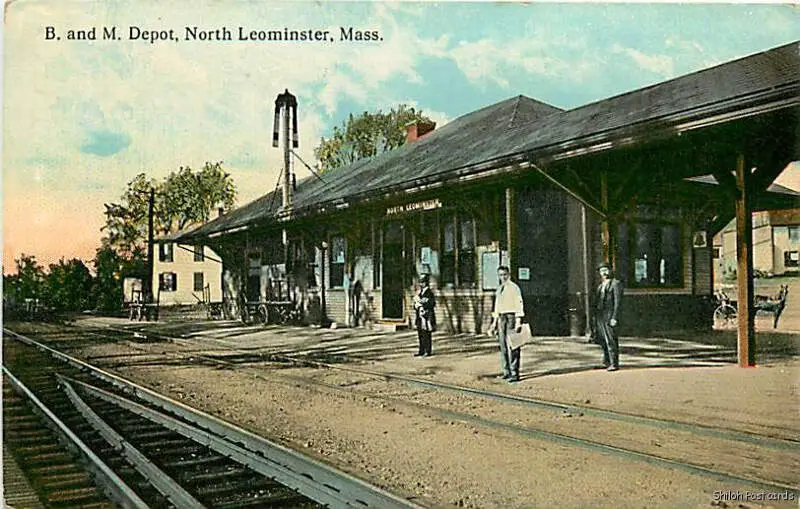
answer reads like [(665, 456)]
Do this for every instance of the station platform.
[(682, 376)]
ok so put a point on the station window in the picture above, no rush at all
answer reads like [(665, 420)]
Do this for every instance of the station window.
[(198, 254), (165, 251), (458, 265), (337, 254), (649, 254), (447, 265), (273, 252), (794, 236), (466, 254)]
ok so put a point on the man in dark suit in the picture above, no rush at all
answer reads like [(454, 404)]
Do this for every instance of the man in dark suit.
[(607, 308), (425, 310)]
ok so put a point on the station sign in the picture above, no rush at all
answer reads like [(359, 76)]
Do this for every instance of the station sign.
[(413, 207)]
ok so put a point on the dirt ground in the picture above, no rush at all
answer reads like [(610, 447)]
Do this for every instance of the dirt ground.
[(394, 437)]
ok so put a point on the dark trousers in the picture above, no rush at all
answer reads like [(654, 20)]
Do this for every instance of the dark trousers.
[(510, 359), (355, 307), (425, 343), (607, 337)]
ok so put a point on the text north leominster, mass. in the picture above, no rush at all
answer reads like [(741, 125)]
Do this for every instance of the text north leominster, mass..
[(195, 33)]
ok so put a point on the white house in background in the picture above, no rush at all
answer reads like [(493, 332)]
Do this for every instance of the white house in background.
[(776, 244), (184, 274)]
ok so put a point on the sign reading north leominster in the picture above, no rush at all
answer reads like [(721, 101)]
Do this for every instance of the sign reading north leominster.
[(411, 207)]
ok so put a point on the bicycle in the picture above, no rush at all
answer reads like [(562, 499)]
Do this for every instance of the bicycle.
[(725, 314)]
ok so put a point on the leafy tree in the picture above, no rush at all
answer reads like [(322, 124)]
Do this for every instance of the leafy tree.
[(27, 283), (68, 286), (111, 269), (184, 198), (188, 197), (127, 221), (365, 136)]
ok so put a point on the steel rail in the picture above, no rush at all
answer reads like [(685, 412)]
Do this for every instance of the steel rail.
[(154, 475), (547, 435), (583, 443), (542, 434), (111, 483), (723, 433), (785, 444), (266, 466), (339, 485)]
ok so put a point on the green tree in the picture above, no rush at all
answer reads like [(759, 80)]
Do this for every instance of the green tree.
[(68, 286), (183, 199), (110, 269), (27, 283), (126, 221), (188, 197), (366, 136)]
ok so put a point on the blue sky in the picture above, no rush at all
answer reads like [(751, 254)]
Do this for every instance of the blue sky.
[(83, 117)]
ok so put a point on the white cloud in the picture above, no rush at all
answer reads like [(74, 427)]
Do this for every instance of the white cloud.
[(662, 65), (180, 103), (188, 102), (490, 60)]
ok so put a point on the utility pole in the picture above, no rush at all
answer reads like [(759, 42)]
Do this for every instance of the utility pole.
[(150, 264)]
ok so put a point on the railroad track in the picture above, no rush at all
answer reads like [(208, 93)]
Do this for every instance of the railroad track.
[(149, 451), (59, 476), (748, 459)]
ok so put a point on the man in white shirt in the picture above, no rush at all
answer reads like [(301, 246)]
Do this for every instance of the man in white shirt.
[(507, 318)]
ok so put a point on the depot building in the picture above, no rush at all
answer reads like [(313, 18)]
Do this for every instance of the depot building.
[(642, 180)]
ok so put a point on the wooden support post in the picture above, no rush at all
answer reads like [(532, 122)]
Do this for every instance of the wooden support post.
[(587, 271), (606, 229), (744, 255), (510, 228)]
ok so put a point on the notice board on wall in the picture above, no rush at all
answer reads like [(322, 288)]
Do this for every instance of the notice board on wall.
[(490, 261)]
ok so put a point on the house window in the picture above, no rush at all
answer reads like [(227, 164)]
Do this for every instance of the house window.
[(198, 282), (337, 251), (198, 254), (791, 258), (168, 282), (649, 254), (165, 252)]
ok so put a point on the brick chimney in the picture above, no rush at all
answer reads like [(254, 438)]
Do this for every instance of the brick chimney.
[(416, 129)]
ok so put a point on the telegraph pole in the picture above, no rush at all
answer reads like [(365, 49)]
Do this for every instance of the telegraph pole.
[(150, 265)]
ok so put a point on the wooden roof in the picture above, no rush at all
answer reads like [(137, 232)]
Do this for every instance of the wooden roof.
[(520, 129)]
